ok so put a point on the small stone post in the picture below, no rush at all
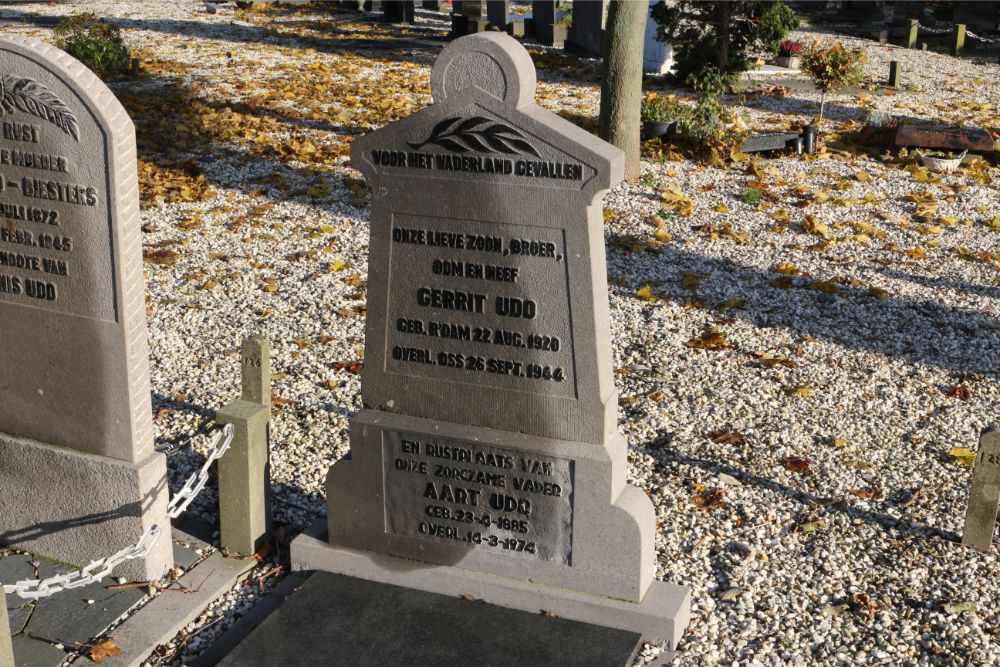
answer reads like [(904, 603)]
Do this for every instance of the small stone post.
[(984, 497), (911, 38), (958, 39), (6, 647), (893, 74), (244, 472)]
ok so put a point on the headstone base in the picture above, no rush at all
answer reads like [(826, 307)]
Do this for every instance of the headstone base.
[(343, 621), (77, 507), (662, 616)]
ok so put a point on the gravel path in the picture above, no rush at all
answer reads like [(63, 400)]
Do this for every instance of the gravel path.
[(801, 470)]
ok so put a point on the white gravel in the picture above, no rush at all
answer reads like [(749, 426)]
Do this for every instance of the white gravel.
[(791, 567)]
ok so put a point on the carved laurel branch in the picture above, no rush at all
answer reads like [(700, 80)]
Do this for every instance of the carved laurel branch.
[(31, 97), (469, 136)]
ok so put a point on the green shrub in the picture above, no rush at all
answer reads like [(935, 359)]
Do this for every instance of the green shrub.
[(709, 122), (94, 42), (752, 195), (721, 33), (657, 109)]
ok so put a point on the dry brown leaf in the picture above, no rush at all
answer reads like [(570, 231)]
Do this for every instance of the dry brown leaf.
[(105, 648), (796, 463), (727, 437), (712, 339), (962, 392)]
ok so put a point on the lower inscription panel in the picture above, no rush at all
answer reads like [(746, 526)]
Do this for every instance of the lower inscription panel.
[(505, 501)]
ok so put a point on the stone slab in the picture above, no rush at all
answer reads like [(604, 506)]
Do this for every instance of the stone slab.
[(15, 568), (769, 142), (248, 622), (969, 138), (984, 497), (102, 505), (183, 556), (159, 621), (343, 621), (29, 652), (662, 616), (69, 618)]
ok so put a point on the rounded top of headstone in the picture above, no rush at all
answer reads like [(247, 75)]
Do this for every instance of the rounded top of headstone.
[(491, 62)]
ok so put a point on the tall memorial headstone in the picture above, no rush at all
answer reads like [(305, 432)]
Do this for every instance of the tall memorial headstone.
[(79, 478), (487, 461)]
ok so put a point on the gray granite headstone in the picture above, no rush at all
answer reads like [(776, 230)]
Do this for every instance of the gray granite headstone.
[(489, 449), (586, 34), (984, 497), (79, 478)]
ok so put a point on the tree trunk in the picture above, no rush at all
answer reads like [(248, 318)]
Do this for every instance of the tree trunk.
[(722, 15), (621, 89)]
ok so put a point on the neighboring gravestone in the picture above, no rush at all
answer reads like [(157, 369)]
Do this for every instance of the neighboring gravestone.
[(488, 461), (586, 34), (657, 56), (544, 25), (984, 498), (947, 138), (79, 478)]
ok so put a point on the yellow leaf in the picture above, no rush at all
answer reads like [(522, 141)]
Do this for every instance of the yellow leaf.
[(801, 391), (839, 442), (788, 269), (813, 226), (338, 265), (863, 177), (917, 253), (963, 455), (646, 293), (722, 208)]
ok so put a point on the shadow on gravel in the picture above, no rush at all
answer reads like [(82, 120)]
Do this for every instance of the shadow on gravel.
[(664, 455), (916, 331), (944, 283)]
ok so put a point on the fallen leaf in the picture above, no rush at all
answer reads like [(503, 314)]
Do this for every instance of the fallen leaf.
[(727, 437), (871, 493), (163, 257), (962, 392), (103, 649), (963, 455), (710, 500), (796, 463), (646, 293), (959, 607), (712, 339)]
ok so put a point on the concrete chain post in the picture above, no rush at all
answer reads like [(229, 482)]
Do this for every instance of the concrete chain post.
[(244, 475)]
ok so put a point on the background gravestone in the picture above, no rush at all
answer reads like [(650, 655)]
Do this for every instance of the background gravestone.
[(79, 478), (489, 448)]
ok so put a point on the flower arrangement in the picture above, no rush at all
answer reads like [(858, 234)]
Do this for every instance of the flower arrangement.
[(790, 47)]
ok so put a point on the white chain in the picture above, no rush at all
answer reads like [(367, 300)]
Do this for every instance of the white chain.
[(196, 482), (944, 31), (97, 570)]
